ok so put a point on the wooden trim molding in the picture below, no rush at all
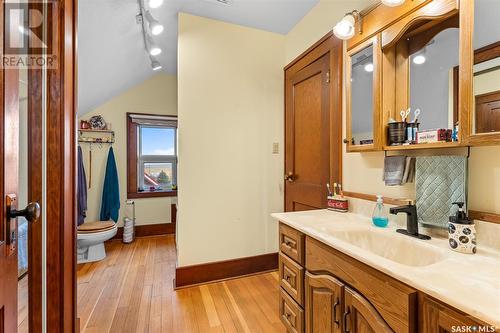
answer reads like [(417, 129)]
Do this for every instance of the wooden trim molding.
[(146, 230), (132, 191), (221, 270), (60, 208), (483, 216), (372, 197), (154, 229)]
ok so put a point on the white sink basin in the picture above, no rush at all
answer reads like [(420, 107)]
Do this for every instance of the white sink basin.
[(398, 248)]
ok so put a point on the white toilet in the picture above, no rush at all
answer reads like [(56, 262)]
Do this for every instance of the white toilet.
[(90, 240)]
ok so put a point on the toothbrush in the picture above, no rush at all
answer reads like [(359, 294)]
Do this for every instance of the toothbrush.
[(334, 189), (341, 192), (329, 190)]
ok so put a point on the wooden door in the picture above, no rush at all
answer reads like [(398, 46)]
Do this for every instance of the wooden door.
[(9, 143), (307, 136), (360, 316), (324, 304), (488, 112)]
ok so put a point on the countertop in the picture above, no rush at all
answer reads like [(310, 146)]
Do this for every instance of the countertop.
[(468, 282)]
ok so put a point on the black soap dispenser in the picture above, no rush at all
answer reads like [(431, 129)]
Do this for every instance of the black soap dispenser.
[(461, 231)]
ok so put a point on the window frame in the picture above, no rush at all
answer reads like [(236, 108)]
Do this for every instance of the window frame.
[(135, 162)]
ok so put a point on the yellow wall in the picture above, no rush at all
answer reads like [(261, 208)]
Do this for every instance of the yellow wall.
[(230, 81), (157, 95)]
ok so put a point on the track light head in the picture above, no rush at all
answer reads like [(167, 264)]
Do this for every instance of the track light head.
[(155, 26), (155, 64), (153, 49)]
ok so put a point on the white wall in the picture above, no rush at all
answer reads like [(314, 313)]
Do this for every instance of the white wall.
[(230, 81), (157, 95)]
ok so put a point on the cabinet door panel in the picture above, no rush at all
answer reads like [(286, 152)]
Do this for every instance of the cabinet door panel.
[(360, 316), (324, 303), (436, 317)]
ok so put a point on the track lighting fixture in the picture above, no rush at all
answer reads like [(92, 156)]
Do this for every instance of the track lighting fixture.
[(145, 19), (393, 3), (155, 26), (346, 28), (155, 3)]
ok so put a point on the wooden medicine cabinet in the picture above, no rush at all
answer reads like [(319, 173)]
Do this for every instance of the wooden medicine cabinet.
[(363, 91), (439, 56)]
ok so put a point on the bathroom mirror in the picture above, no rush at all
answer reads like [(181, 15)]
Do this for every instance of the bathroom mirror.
[(362, 101), (361, 93), (433, 75), (486, 70)]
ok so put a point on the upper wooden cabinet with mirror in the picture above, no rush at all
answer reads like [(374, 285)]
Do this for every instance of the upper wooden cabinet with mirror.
[(484, 125), (363, 91)]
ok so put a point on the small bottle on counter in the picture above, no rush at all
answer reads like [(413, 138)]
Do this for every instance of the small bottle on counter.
[(461, 231), (380, 217)]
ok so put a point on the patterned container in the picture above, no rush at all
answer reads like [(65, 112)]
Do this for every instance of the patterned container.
[(338, 204), (462, 237)]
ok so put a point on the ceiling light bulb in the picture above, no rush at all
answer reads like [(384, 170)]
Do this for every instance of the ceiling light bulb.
[(155, 26), (155, 3), (419, 59), (345, 28), (154, 50), (393, 3), (369, 67)]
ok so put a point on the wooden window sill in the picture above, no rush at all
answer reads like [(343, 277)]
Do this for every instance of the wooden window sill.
[(148, 194)]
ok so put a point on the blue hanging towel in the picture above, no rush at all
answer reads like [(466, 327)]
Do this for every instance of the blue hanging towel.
[(110, 205), (81, 189)]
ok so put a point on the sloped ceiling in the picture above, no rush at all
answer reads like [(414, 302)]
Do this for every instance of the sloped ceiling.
[(111, 55)]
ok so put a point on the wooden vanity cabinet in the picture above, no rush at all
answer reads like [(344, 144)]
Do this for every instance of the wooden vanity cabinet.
[(323, 290)]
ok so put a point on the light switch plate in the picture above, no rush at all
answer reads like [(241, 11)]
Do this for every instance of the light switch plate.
[(276, 148)]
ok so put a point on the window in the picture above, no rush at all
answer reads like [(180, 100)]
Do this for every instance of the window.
[(152, 155)]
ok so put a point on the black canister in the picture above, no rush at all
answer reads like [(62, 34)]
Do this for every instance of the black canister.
[(397, 133)]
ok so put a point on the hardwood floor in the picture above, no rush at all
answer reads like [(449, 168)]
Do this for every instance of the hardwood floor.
[(132, 291), (22, 305)]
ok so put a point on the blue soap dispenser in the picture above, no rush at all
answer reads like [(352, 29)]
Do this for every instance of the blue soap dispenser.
[(380, 218)]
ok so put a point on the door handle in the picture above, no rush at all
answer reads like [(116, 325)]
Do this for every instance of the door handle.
[(335, 320), (289, 177), (344, 319), (30, 213)]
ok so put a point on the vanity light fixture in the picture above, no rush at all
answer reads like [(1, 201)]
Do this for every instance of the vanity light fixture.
[(346, 28), (155, 26), (369, 67), (155, 3), (393, 3)]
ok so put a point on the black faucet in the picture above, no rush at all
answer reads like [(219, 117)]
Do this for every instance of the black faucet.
[(411, 221)]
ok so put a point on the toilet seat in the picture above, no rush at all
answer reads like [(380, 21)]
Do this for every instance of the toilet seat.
[(96, 227)]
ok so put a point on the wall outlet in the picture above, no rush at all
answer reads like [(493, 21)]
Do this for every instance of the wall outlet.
[(276, 148)]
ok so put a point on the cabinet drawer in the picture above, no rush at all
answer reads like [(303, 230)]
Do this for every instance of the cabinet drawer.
[(292, 278), (395, 301), (292, 243), (291, 313)]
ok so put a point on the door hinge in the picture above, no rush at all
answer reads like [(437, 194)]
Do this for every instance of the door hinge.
[(328, 76)]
